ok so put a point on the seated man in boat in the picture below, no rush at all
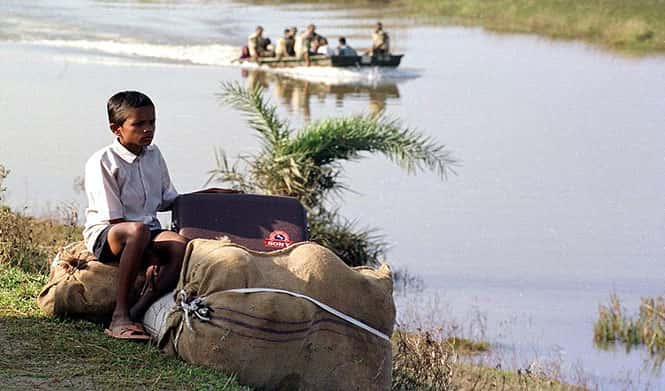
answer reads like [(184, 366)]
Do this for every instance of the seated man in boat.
[(258, 45), (291, 41), (323, 47), (281, 50), (286, 44), (380, 40), (343, 49)]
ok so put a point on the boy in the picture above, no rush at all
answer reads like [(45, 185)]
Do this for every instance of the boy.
[(126, 183)]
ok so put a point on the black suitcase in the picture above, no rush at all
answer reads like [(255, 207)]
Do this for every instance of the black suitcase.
[(258, 222)]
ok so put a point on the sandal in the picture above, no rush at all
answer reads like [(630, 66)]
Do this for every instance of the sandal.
[(131, 331)]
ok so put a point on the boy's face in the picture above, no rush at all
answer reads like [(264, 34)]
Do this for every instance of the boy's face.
[(138, 129)]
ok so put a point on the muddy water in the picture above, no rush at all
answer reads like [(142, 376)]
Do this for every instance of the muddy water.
[(558, 200)]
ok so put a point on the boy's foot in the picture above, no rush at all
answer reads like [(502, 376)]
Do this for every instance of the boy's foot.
[(131, 331)]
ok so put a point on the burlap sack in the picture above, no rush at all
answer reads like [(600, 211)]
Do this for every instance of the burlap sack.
[(79, 286), (273, 340)]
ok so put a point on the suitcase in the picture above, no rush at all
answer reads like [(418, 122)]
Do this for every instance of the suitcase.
[(258, 222)]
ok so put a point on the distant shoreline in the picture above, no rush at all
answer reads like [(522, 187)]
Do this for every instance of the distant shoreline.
[(634, 27)]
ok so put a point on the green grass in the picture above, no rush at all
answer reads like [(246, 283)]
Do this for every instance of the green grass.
[(635, 26), (39, 351)]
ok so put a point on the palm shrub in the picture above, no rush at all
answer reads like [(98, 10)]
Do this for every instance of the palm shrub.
[(306, 164)]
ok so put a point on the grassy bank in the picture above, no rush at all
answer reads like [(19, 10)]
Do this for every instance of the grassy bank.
[(636, 26), (43, 352)]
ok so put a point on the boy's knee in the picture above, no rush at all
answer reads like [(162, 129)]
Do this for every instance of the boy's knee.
[(136, 231)]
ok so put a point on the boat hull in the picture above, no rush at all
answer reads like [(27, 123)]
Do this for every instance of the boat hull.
[(384, 60)]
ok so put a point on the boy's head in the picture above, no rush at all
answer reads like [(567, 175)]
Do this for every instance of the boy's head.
[(342, 41), (132, 119), (120, 105)]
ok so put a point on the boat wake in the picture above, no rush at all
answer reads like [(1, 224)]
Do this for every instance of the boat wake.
[(214, 55), (366, 76)]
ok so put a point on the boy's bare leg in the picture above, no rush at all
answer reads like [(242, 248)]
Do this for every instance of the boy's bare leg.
[(170, 248), (130, 239)]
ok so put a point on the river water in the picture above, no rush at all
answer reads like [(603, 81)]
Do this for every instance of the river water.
[(557, 202)]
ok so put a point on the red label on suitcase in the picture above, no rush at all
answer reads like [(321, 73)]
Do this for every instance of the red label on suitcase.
[(277, 239)]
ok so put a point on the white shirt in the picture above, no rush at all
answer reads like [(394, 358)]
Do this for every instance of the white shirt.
[(325, 49), (120, 184)]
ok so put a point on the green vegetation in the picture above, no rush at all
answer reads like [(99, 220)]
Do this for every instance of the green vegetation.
[(636, 26), (648, 328), (306, 164), (28, 243), (41, 352)]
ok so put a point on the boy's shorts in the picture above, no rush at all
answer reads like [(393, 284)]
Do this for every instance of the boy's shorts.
[(102, 250)]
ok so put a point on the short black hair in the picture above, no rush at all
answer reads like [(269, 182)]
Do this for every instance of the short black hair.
[(342, 40), (118, 105)]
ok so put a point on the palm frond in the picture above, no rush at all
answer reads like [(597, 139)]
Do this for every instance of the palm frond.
[(261, 115), (345, 138), (230, 174), (356, 246)]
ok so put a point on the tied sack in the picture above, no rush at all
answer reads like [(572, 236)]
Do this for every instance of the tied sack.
[(79, 286), (273, 340)]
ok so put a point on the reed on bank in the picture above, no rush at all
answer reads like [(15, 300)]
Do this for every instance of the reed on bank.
[(647, 328)]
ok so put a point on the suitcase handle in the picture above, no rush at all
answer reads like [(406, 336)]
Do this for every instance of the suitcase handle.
[(218, 190)]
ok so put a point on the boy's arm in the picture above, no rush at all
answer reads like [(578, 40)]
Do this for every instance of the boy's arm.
[(103, 192), (169, 193)]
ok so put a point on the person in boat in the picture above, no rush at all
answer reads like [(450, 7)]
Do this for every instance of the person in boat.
[(380, 40), (323, 47), (285, 45), (304, 44), (291, 41), (258, 45), (126, 183), (343, 49), (281, 50)]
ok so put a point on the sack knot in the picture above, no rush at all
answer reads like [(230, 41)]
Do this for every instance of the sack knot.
[(195, 307)]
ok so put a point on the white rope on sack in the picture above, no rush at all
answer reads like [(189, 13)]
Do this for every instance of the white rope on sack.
[(198, 308)]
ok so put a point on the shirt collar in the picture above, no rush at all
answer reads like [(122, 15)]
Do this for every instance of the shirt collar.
[(125, 154)]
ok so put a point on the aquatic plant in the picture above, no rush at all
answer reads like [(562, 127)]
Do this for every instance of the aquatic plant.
[(648, 328), (306, 164)]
